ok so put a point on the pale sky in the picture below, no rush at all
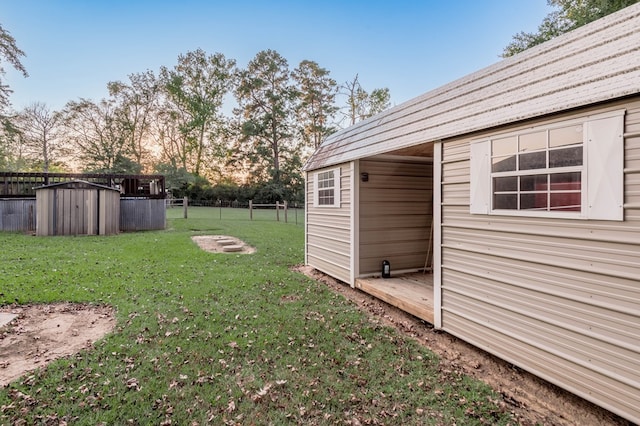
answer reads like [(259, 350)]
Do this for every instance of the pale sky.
[(75, 47)]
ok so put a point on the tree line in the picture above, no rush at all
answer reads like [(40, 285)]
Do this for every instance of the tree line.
[(174, 122)]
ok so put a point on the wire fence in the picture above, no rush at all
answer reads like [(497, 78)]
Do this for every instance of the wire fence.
[(233, 210)]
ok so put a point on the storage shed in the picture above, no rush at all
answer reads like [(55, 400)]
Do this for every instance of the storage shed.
[(77, 208), (518, 187)]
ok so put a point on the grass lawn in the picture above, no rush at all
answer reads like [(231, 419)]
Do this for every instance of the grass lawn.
[(207, 338)]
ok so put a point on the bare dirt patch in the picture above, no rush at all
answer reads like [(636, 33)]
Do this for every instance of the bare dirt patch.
[(217, 243), (531, 400), (42, 333)]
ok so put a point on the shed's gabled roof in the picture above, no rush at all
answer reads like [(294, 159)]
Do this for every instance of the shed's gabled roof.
[(594, 63), (76, 184)]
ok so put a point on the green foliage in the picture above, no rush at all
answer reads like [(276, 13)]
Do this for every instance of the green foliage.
[(379, 100), (581, 12), (195, 90), (176, 179), (196, 189), (316, 107), (229, 193), (10, 53), (271, 192), (39, 130), (201, 192), (266, 103), (121, 164), (136, 105), (570, 14), (96, 134), (206, 338), (10, 156), (361, 104)]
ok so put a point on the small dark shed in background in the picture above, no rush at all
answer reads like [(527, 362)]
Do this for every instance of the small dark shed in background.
[(77, 208)]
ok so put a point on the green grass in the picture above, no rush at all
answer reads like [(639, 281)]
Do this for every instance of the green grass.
[(208, 338)]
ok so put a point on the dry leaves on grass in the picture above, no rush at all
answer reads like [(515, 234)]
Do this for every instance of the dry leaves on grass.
[(529, 398)]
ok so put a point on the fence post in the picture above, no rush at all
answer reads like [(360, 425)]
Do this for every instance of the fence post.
[(251, 209), (278, 211), (185, 203), (285, 211)]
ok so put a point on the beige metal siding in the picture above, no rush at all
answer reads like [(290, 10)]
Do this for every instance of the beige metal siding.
[(558, 297), (328, 229), (595, 63), (71, 214), (109, 222), (44, 220), (395, 214)]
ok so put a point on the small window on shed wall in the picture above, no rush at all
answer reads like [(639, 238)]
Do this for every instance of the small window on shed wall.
[(571, 169), (326, 192)]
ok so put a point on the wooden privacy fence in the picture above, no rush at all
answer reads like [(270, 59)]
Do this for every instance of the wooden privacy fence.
[(22, 185)]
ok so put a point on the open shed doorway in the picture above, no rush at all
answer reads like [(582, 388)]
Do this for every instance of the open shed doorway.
[(395, 224)]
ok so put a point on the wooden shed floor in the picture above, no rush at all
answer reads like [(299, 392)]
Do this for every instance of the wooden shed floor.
[(413, 293)]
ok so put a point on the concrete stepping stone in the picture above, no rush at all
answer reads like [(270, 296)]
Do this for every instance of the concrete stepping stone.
[(232, 248), (6, 318), (226, 242)]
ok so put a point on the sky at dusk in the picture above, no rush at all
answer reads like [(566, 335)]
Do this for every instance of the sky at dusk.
[(75, 47)]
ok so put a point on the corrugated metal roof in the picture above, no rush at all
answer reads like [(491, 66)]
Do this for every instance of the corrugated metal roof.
[(595, 63)]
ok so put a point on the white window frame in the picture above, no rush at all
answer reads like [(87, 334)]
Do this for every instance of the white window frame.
[(602, 184), (335, 188)]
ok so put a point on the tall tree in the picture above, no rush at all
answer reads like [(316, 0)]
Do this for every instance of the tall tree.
[(196, 88), (361, 104), (356, 97), (98, 137), (266, 99), (12, 149), (10, 155), (135, 106), (174, 147), (39, 127), (8, 52), (379, 100), (316, 106), (569, 15), (4, 145)]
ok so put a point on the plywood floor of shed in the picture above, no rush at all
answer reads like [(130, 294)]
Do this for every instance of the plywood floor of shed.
[(413, 293)]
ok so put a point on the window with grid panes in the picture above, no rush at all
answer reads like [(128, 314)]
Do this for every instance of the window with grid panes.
[(571, 169), (538, 171), (327, 188)]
